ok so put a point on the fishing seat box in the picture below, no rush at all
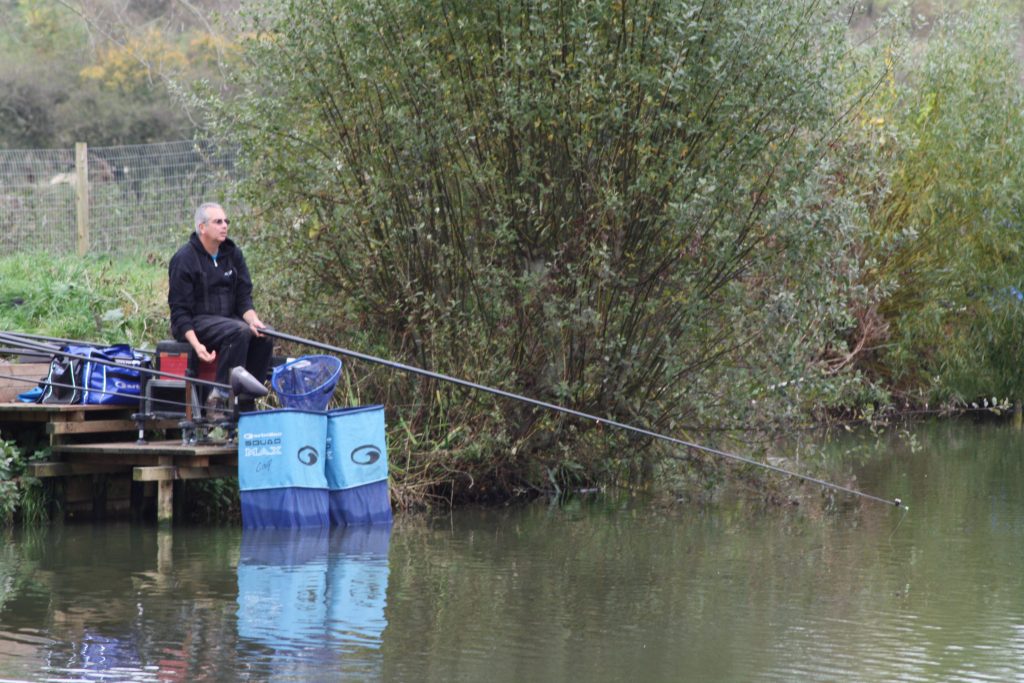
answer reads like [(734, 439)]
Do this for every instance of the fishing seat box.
[(166, 396)]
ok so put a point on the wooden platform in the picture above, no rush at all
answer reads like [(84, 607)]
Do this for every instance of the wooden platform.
[(16, 410), (165, 447), (91, 441), (63, 422), (116, 456), (163, 462)]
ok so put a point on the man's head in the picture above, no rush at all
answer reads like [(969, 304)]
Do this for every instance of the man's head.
[(211, 225)]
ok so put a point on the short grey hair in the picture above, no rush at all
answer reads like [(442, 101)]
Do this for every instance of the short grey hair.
[(201, 212)]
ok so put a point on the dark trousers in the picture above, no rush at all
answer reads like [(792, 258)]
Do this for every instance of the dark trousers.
[(235, 345)]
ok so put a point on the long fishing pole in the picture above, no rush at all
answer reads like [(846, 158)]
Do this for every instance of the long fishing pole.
[(64, 385), (576, 413), (53, 342), (49, 350), (44, 338), (58, 341)]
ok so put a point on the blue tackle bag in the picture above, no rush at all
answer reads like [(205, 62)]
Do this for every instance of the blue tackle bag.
[(98, 376), (111, 375)]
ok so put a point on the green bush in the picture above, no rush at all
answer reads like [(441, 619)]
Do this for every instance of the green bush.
[(21, 496), (82, 73), (613, 206), (940, 160)]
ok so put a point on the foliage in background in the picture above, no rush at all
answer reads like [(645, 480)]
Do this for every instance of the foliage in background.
[(662, 214), (21, 496), (212, 500), (100, 70), (939, 158), (617, 207)]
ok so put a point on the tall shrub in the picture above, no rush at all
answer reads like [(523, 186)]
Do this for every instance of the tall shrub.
[(613, 206), (945, 219)]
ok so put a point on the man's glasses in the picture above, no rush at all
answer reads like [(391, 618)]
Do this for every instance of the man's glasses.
[(218, 221)]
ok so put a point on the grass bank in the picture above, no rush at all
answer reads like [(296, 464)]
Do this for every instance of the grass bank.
[(100, 299)]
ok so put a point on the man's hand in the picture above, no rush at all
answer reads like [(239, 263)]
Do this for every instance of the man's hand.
[(255, 324), (205, 354)]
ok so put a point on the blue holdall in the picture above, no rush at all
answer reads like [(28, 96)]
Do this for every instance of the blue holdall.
[(84, 379), (119, 383)]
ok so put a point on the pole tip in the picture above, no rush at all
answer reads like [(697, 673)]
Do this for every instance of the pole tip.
[(897, 502)]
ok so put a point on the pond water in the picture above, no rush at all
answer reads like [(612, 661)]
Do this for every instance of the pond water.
[(602, 589)]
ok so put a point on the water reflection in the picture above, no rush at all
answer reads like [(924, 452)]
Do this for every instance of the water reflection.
[(314, 597), (76, 605), (129, 603), (601, 589)]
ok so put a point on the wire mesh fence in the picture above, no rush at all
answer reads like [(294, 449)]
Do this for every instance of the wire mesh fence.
[(140, 197), (35, 213)]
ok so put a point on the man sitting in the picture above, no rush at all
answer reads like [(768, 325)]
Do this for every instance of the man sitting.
[(210, 297)]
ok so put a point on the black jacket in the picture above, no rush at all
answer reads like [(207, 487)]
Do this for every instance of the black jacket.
[(198, 286)]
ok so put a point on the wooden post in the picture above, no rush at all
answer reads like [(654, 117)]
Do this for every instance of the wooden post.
[(1018, 417), (164, 553), (82, 196), (165, 495)]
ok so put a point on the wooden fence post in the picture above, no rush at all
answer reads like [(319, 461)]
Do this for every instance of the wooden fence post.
[(82, 196)]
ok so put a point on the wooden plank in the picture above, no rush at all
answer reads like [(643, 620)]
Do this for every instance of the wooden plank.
[(172, 473), (155, 473), (164, 495), (90, 427), (116, 459), (94, 426), (211, 472), (40, 412), (82, 197), (43, 470), (118, 462), (20, 418), (175, 448), (68, 416), (164, 502)]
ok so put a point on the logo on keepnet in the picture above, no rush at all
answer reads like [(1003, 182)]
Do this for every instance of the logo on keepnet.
[(365, 455), (261, 445), (308, 455)]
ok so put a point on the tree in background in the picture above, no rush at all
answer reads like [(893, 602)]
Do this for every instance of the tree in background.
[(621, 207), (100, 70), (939, 163)]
